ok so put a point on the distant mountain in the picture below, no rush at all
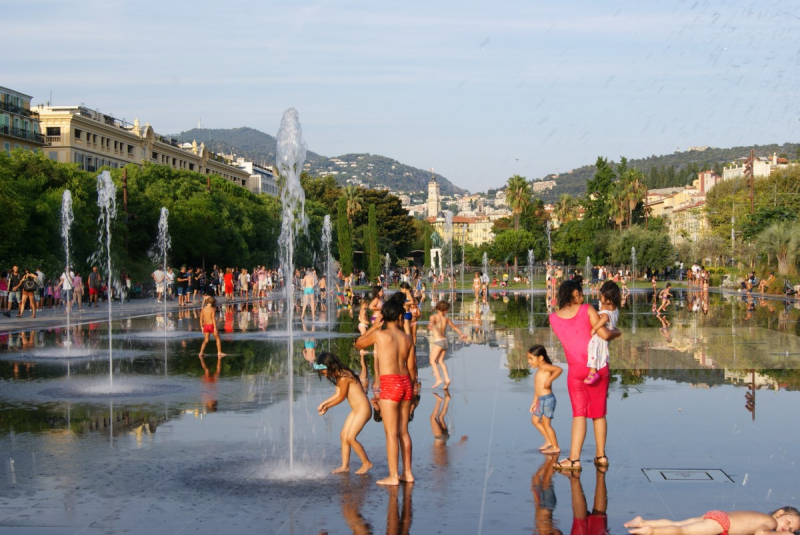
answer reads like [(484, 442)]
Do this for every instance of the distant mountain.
[(372, 170), (679, 168)]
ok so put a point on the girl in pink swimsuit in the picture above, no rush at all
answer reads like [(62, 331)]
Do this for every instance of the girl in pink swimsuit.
[(572, 324)]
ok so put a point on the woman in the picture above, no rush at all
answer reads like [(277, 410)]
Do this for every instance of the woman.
[(228, 277), (29, 286), (572, 324), (77, 290)]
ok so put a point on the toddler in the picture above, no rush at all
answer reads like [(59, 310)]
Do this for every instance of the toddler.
[(721, 523), (544, 401), (610, 301)]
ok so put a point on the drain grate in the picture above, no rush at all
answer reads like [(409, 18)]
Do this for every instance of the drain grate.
[(691, 474)]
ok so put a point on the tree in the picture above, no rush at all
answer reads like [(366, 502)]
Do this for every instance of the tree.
[(512, 243), (565, 208), (371, 238), (345, 239), (518, 196), (354, 201), (598, 192), (782, 242), (653, 249)]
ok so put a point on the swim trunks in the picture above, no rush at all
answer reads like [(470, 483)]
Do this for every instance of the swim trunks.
[(441, 343), (309, 344), (396, 388), (208, 328), (546, 406), (721, 518), (408, 316), (308, 291)]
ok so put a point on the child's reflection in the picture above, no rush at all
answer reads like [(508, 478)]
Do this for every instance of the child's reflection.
[(352, 499), (209, 395), (544, 497)]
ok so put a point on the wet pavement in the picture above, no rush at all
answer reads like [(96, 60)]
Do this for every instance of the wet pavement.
[(184, 446)]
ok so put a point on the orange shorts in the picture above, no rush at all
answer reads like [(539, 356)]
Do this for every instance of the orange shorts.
[(208, 328), (396, 388)]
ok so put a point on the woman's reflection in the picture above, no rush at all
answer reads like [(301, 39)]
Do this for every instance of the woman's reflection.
[(585, 522)]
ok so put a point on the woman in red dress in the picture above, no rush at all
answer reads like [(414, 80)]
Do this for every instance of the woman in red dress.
[(228, 284)]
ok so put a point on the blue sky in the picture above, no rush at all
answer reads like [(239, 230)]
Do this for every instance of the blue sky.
[(478, 90)]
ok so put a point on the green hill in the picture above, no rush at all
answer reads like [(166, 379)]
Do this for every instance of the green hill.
[(677, 169), (372, 170)]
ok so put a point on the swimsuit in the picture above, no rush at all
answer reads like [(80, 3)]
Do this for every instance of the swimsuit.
[(721, 518), (308, 291), (309, 344), (441, 343), (408, 316), (396, 388), (208, 328)]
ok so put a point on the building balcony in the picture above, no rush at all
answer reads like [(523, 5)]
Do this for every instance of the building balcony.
[(22, 134), (11, 108), (52, 139)]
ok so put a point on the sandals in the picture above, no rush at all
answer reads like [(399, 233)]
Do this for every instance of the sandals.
[(599, 463), (571, 467), (592, 378)]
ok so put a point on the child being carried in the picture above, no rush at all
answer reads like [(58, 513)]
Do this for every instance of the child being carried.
[(610, 301)]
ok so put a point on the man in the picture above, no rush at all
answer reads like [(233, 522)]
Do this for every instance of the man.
[(66, 281), (397, 375), (14, 291), (40, 280), (159, 276), (183, 287), (309, 282), (764, 284), (94, 287)]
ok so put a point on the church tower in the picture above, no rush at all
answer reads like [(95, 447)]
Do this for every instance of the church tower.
[(434, 197)]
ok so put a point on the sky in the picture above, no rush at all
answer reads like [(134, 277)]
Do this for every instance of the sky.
[(478, 90)]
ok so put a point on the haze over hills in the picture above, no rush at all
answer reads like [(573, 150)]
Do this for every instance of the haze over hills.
[(371, 169)]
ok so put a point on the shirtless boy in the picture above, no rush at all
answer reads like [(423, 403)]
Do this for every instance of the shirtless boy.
[(308, 283), (208, 324), (438, 326), (398, 375)]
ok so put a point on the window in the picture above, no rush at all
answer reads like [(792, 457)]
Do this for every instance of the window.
[(78, 134), (191, 167), (53, 156), (53, 130), (130, 150), (155, 155), (7, 147)]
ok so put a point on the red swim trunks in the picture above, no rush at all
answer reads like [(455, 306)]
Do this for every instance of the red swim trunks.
[(208, 328), (721, 518), (396, 388)]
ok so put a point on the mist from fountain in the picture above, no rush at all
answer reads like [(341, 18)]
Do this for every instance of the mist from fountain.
[(66, 225), (387, 263), (587, 271), (549, 244), (485, 264), (633, 268), (327, 237), (291, 155), (448, 238), (107, 202), (530, 269)]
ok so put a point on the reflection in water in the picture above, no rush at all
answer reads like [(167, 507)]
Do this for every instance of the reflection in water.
[(398, 518), (352, 499), (594, 522), (544, 496)]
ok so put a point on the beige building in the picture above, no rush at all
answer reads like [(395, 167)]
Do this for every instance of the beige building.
[(91, 139), (688, 223), (474, 231), (762, 167), (19, 126)]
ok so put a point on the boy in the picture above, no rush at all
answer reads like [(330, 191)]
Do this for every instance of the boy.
[(208, 324), (398, 375)]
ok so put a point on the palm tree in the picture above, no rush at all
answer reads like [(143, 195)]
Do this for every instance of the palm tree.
[(565, 208), (635, 192), (619, 205), (781, 240), (518, 194), (354, 198)]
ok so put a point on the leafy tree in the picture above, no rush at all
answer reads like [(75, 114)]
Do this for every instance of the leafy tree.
[(518, 196), (599, 191), (512, 243), (782, 242), (371, 244), (344, 238), (653, 249)]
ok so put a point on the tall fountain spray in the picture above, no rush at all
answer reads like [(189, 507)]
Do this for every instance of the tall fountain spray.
[(66, 224), (633, 267), (327, 236), (291, 156), (549, 244), (107, 202), (164, 244), (530, 269), (463, 264), (387, 263), (587, 272), (448, 238), (485, 264)]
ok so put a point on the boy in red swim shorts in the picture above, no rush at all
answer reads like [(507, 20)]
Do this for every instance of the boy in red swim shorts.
[(398, 375), (208, 324)]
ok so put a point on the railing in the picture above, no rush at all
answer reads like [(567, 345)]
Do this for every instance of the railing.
[(22, 134), (5, 106), (52, 139)]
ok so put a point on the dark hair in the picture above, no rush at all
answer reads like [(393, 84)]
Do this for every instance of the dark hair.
[(565, 292), (376, 290), (539, 351), (443, 306), (405, 286), (610, 290), (335, 367), (394, 307), (787, 510)]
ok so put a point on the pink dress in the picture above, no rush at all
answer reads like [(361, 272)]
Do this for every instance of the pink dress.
[(587, 400)]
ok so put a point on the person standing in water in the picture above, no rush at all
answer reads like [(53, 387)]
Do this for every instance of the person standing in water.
[(308, 283), (438, 328), (208, 324)]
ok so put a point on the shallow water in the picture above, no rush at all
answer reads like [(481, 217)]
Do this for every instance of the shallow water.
[(184, 445)]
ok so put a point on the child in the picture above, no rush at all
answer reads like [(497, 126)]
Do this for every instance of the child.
[(610, 300), (438, 326), (394, 359), (208, 324), (348, 387), (664, 295), (719, 522), (544, 401)]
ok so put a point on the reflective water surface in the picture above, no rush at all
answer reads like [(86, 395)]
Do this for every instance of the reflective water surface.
[(701, 416)]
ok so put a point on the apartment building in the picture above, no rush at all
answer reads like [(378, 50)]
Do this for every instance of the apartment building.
[(91, 139), (19, 126)]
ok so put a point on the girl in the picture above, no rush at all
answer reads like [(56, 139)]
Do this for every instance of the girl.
[(664, 295), (785, 519), (544, 401), (610, 301), (376, 303), (476, 285), (438, 342), (347, 387)]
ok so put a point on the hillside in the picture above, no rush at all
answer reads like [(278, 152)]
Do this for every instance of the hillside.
[(371, 169), (675, 169)]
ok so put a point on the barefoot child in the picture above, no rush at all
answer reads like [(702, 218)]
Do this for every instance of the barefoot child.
[(438, 326), (348, 387), (719, 522), (544, 401), (208, 324), (610, 300), (396, 380), (664, 295)]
